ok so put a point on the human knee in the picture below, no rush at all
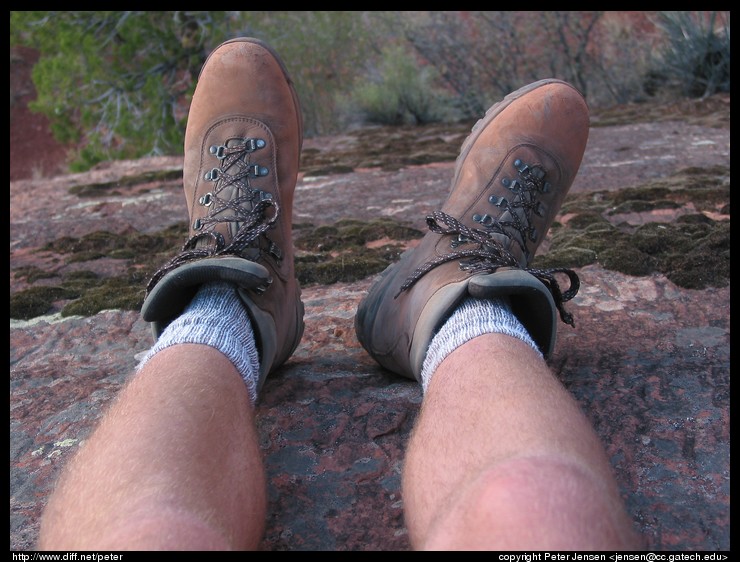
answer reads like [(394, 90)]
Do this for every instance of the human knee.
[(533, 503)]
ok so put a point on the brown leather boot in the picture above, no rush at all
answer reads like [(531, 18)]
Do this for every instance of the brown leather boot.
[(242, 150), (510, 179)]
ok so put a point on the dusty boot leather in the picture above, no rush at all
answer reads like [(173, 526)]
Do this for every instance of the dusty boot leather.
[(511, 177), (242, 150)]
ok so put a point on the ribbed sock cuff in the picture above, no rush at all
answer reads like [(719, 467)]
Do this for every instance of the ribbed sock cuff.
[(473, 318), (216, 317)]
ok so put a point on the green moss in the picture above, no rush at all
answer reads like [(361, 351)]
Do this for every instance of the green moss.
[(693, 251), (114, 293), (111, 187), (141, 254), (338, 252), (36, 301), (129, 245), (90, 247), (347, 233), (707, 264), (347, 267), (80, 280), (712, 111), (626, 258), (341, 257), (32, 273), (328, 170), (569, 257), (387, 148), (658, 239), (706, 189), (588, 219), (641, 206)]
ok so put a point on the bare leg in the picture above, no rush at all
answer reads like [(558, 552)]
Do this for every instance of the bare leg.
[(175, 464), (502, 458)]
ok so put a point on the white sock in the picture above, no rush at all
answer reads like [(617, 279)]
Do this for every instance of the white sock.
[(216, 317), (473, 318)]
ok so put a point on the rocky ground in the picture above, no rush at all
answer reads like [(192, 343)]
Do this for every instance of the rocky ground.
[(646, 225)]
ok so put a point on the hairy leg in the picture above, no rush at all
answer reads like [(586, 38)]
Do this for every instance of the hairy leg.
[(503, 458), (175, 464)]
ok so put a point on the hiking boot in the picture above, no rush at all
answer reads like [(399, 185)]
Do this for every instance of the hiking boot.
[(510, 179), (242, 150)]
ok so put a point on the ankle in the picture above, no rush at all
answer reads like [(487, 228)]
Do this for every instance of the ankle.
[(472, 318), (216, 317)]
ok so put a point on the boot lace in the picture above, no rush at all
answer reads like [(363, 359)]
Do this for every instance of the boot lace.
[(490, 254), (249, 208)]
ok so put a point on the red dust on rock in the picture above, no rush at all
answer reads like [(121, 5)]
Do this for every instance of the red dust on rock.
[(34, 153)]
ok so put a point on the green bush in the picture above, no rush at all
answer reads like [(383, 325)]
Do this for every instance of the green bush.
[(401, 92), (116, 84), (323, 51), (695, 59)]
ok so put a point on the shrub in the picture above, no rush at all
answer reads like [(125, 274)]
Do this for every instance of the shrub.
[(399, 92), (695, 59), (116, 84)]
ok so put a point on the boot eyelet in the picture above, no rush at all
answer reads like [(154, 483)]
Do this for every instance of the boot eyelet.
[(206, 200), (498, 201), (256, 171), (261, 195), (219, 151), (485, 220), (254, 144)]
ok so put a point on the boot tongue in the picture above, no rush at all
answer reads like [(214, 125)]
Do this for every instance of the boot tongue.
[(511, 244), (231, 197), (514, 228)]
